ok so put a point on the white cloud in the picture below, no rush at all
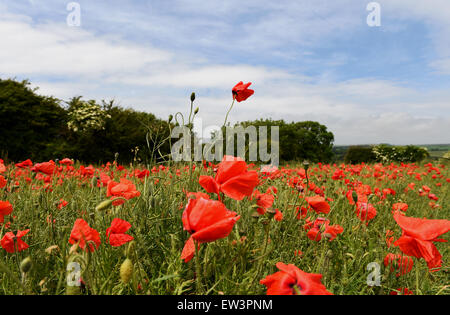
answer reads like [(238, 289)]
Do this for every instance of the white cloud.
[(60, 50), (66, 62)]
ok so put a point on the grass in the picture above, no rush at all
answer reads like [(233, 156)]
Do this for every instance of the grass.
[(233, 265)]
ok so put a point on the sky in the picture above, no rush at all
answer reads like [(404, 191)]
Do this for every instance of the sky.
[(307, 60)]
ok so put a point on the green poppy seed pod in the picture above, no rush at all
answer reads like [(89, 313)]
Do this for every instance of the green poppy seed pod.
[(355, 196), (26, 265), (104, 205), (306, 164), (192, 97), (126, 270), (170, 118), (196, 111)]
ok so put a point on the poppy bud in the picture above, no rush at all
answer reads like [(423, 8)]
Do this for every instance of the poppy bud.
[(106, 204), (26, 265), (126, 270), (192, 97), (306, 164), (196, 111), (170, 118)]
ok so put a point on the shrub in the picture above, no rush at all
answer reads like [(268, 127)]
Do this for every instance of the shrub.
[(386, 153), (359, 154)]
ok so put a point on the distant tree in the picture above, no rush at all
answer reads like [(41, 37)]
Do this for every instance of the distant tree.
[(30, 124), (114, 130), (305, 140), (359, 154)]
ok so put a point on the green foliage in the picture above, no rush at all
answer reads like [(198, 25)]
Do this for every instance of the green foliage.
[(124, 131), (305, 140), (385, 153), (30, 124), (233, 265), (359, 154), (39, 128)]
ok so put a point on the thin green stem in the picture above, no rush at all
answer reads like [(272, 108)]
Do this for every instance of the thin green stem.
[(226, 117)]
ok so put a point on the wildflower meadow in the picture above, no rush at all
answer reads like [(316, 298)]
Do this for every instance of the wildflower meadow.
[(227, 227)]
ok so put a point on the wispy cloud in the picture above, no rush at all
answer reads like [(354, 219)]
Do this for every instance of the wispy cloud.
[(308, 60)]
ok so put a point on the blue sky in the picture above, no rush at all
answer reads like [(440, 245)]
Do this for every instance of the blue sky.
[(307, 60)]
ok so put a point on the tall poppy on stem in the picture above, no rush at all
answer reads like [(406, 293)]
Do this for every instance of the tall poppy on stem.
[(240, 93), (232, 178), (290, 280)]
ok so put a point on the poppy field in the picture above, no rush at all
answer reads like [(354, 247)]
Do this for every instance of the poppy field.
[(226, 228)]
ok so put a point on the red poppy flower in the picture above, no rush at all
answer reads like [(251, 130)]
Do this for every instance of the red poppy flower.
[(232, 178), (418, 237), (400, 206), (402, 291), (322, 228), (278, 215), (241, 91), (290, 280), (196, 195), (2, 166), (116, 232), (5, 209), (25, 164), (62, 203), (12, 243), (83, 234), (104, 180), (403, 264), (318, 203), (389, 238), (66, 161), (125, 189), (263, 201), (365, 211), (3, 181), (46, 167), (206, 220)]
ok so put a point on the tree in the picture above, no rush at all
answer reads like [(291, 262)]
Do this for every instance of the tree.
[(30, 124), (359, 154), (305, 140)]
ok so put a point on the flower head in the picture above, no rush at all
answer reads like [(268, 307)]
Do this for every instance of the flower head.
[(241, 91), (290, 280)]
